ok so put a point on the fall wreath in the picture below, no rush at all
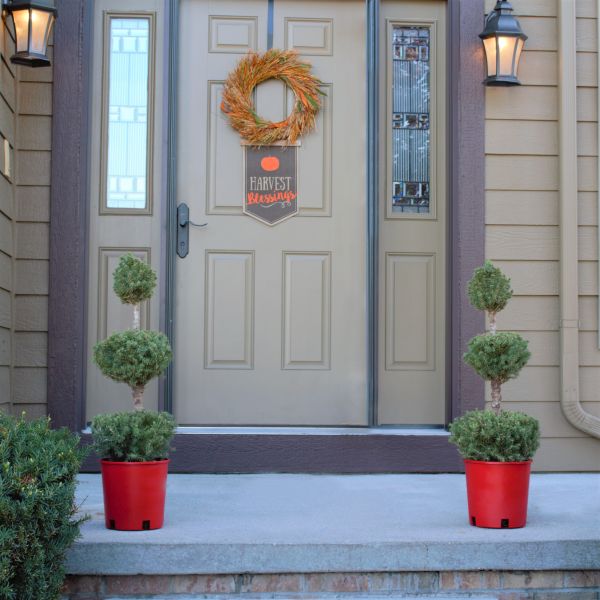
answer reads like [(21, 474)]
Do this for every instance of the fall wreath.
[(255, 68)]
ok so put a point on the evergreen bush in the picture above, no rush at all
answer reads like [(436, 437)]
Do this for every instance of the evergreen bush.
[(133, 357), (496, 357), (489, 290), (38, 521), (505, 437), (133, 280), (133, 436)]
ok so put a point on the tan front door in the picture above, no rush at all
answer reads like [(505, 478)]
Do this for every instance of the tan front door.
[(271, 320)]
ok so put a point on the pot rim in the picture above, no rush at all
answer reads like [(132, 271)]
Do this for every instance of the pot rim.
[(498, 462), (106, 461)]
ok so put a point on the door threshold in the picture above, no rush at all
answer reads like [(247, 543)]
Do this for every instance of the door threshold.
[(248, 430)]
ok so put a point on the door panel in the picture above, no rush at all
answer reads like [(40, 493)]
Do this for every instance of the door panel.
[(413, 214), (270, 321)]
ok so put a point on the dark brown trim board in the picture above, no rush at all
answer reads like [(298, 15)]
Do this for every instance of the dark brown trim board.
[(467, 193), (307, 453), (68, 214), (244, 453)]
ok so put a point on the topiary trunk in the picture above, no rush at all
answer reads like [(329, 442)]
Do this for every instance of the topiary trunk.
[(136, 316), (496, 395), (137, 393)]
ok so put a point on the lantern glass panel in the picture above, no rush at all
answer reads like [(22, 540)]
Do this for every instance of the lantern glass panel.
[(490, 53), (506, 47), (520, 44), (41, 22), (21, 21)]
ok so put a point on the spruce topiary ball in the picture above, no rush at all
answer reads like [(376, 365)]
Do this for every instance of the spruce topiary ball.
[(504, 437), (133, 436), (134, 280), (497, 356), (489, 289), (134, 356)]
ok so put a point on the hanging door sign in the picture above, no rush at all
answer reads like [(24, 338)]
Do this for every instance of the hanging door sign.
[(271, 193)]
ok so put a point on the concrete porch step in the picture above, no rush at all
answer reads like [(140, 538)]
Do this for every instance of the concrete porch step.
[(231, 524)]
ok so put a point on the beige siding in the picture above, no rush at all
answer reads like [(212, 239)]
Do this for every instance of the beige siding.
[(522, 233), (7, 220), (32, 229), (25, 121)]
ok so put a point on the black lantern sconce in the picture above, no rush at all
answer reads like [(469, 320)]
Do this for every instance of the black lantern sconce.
[(32, 23), (503, 41)]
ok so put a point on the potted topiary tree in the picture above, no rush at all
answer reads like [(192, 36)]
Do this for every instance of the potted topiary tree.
[(497, 446), (133, 446)]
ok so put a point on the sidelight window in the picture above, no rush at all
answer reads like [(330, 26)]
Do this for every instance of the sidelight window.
[(410, 126), (127, 113)]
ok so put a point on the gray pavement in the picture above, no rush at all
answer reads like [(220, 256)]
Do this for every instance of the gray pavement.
[(349, 523)]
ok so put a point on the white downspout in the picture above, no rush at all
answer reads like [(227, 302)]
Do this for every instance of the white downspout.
[(569, 285)]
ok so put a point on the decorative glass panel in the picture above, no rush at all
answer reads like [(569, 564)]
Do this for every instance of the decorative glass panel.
[(128, 102), (410, 119)]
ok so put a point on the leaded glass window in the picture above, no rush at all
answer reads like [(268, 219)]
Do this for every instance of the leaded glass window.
[(127, 110), (410, 119)]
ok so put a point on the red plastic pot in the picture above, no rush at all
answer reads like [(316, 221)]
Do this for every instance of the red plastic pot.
[(134, 494), (497, 493)]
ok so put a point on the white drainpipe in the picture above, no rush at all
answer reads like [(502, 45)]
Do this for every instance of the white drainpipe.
[(569, 285)]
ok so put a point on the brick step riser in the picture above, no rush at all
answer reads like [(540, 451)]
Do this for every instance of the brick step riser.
[(447, 585)]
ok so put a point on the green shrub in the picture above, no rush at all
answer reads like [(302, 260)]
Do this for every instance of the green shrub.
[(489, 289), (38, 467), (505, 437), (133, 356), (133, 436), (134, 280), (497, 357)]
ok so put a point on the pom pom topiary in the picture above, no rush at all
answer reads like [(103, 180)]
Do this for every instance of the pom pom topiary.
[(497, 358), (133, 436), (505, 437), (134, 280), (133, 357), (489, 290)]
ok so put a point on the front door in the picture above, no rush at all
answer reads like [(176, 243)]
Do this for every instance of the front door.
[(271, 320)]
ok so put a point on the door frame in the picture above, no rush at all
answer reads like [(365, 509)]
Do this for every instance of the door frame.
[(342, 451)]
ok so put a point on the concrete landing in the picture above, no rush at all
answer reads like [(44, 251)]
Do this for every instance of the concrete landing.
[(347, 523)]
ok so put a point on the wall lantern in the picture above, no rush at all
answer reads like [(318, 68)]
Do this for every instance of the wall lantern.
[(33, 23), (503, 41)]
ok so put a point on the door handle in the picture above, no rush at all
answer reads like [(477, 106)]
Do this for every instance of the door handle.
[(183, 233)]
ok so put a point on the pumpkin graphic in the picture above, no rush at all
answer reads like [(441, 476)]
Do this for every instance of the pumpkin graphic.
[(269, 163)]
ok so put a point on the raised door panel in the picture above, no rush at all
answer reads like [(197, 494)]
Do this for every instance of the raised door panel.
[(410, 311), (229, 305), (307, 310)]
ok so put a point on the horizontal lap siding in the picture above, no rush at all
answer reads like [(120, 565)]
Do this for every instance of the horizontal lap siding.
[(32, 240), (7, 218), (522, 233)]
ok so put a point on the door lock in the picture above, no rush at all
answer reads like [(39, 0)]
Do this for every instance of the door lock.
[(183, 222)]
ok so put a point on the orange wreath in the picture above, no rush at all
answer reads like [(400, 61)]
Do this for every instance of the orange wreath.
[(255, 68)]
